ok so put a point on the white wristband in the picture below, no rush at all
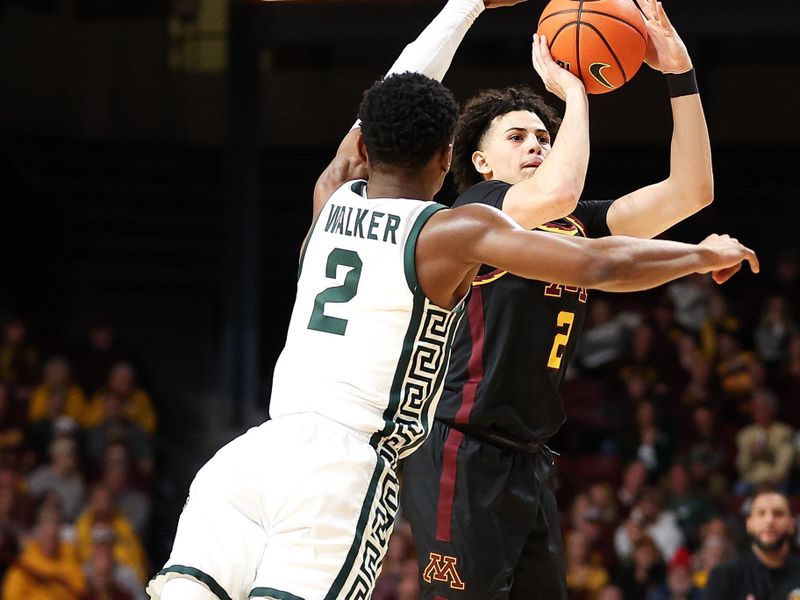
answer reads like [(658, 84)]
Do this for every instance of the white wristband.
[(432, 52)]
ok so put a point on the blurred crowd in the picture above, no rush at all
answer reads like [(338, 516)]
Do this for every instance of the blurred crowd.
[(681, 403), (76, 468)]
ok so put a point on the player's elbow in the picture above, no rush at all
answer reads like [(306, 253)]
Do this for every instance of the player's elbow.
[(565, 199)]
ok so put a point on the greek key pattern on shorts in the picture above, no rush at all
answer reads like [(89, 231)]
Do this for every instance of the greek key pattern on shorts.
[(376, 536), (422, 383)]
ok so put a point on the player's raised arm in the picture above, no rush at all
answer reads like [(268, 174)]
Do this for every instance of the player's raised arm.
[(430, 54), (690, 186), (553, 190), (474, 234)]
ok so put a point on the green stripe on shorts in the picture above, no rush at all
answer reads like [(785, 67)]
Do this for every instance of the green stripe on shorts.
[(200, 576)]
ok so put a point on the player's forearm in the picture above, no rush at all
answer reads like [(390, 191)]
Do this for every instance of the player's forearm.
[(559, 180), (632, 264), (567, 162), (691, 176), (432, 52)]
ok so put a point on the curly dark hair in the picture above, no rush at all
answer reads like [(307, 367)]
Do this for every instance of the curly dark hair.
[(477, 117), (406, 119)]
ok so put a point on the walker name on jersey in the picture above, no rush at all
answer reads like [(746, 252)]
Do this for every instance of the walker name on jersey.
[(363, 223)]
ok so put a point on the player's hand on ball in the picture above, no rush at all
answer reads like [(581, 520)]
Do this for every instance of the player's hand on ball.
[(730, 256), (666, 51), (499, 3), (557, 80)]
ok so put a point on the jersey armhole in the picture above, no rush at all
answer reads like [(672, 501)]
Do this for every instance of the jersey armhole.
[(357, 187), (409, 251)]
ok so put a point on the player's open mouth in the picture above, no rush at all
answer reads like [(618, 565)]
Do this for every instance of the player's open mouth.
[(532, 164)]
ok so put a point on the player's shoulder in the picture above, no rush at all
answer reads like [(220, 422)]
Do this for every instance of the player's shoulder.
[(485, 192)]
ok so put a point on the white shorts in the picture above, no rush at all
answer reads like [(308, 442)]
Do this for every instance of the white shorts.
[(299, 508)]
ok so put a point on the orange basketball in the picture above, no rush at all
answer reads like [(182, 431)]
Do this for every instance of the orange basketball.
[(601, 41)]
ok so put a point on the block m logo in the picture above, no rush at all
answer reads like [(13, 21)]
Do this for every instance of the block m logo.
[(443, 568)]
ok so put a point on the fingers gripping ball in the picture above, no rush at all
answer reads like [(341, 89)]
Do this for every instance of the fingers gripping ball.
[(601, 41)]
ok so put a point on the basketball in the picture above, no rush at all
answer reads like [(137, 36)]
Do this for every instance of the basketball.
[(603, 42)]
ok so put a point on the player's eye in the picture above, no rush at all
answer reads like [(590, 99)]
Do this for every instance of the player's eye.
[(544, 139), (516, 138)]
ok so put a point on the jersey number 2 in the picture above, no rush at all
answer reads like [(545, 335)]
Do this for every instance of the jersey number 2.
[(561, 339), (337, 294)]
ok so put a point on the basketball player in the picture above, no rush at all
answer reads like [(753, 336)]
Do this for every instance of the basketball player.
[(301, 507), (479, 493)]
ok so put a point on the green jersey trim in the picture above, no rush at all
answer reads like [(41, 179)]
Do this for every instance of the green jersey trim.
[(197, 574), (366, 509), (409, 251)]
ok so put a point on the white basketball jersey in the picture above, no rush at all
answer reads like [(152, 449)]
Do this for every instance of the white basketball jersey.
[(365, 347)]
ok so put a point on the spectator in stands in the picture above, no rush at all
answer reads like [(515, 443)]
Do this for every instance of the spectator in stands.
[(601, 495), (785, 276), (12, 426), (691, 509), (714, 550), (585, 580), (767, 569), (650, 443), (773, 334), (735, 371), (611, 592), (699, 390), (114, 426), (789, 380), (719, 319), (649, 517), (690, 296), (62, 475), (679, 585), (644, 571), (46, 569), (116, 476), (16, 505), (137, 405), (634, 479), (649, 351), (19, 360), (57, 382), (765, 450), (127, 547), (106, 578), (100, 352), (605, 337)]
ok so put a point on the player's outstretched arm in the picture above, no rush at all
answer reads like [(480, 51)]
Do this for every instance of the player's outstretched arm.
[(690, 186), (454, 243), (430, 54), (554, 189)]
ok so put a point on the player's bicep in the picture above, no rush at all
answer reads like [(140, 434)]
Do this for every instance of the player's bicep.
[(646, 212), (530, 209)]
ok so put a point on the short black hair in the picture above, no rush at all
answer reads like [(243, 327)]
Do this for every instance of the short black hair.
[(477, 117), (764, 490), (407, 118)]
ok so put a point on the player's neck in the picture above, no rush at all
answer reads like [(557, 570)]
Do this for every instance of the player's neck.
[(398, 185)]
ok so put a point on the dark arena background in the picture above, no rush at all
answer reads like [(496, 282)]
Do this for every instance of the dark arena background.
[(157, 160)]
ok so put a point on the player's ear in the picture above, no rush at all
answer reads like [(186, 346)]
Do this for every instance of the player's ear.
[(480, 163), (361, 147), (446, 158)]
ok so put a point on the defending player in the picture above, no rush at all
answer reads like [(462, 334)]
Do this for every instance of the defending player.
[(479, 494)]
